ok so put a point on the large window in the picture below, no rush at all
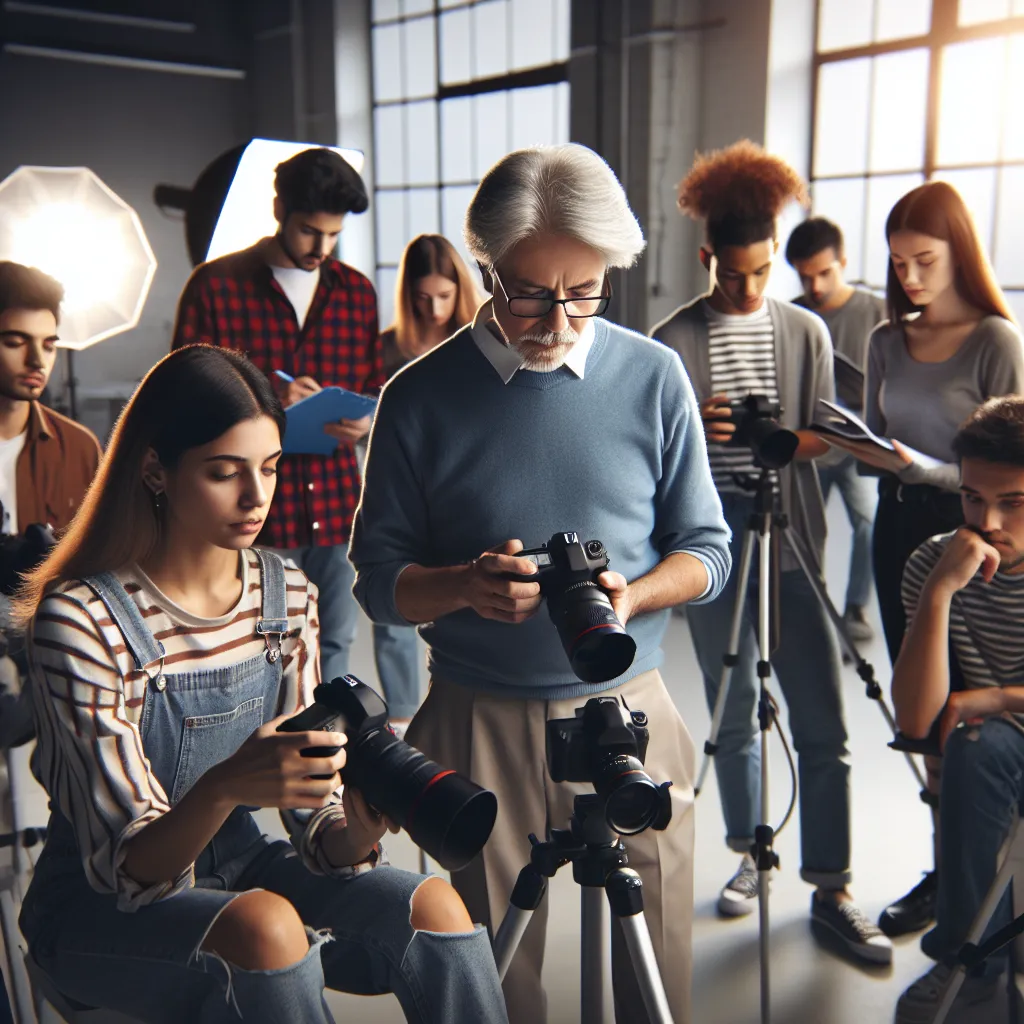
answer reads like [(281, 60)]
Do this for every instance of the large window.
[(457, 85), (909, 90)]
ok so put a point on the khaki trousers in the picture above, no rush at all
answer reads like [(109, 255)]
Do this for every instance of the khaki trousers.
[(500, 743)]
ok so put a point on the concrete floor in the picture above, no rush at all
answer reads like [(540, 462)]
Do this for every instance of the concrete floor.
[(892, 845)]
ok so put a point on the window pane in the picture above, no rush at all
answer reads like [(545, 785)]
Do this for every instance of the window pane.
[(532, 24), (843, 202), (391, 231), (1016, 301), (1009, 248), (969, 129), (386, 277), (490, 45), (420, 67), (423, 214), (387, 62), (491, 137), (454, 202), (973, 12), (978, 187), (450, 3), (384, 9), (418, 7), (561, 29), (456, 49), (843, 23), (1013, 125), (421, 143), (899, 98), (457, 139), (533, 117), (899, 19), (561, 112), (841, 124), (882, 196), (389, 138)]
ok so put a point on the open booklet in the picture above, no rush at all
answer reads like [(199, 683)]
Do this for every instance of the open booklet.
[(839, 422)]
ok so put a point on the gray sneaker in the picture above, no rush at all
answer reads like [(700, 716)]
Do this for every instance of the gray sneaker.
[(844, 921), (919, 1003), (739, 896)]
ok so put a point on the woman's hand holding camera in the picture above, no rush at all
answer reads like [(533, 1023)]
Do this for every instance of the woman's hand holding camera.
[(268, 769), (717, 417), (491, 594)]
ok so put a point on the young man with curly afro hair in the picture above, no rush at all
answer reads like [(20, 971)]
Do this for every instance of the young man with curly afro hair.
[(735, 342)]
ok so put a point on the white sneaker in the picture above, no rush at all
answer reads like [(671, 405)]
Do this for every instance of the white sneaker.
[(739, 896)]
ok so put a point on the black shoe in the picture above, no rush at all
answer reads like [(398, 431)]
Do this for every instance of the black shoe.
[(843, 921), (913, 912)]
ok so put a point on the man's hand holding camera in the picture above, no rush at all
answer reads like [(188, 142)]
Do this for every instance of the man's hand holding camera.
[(717, 417), (488, 590)]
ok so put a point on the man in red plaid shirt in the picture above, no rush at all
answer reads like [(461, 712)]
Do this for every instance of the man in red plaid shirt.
[(291, 307)]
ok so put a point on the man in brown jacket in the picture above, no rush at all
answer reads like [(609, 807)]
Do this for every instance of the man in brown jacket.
[(46, 460)]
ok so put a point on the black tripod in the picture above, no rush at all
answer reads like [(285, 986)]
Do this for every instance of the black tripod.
[(599, 862)]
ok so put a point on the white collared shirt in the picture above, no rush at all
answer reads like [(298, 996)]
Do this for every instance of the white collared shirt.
[(507, 361)]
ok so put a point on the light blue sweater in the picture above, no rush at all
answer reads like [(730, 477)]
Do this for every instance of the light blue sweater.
[(459, 462)]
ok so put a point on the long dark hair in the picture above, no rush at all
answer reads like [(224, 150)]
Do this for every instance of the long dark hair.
[(189, 399), (937, 210)]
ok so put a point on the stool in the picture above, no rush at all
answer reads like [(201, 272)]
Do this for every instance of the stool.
[(1011, 871), (71, 1010)]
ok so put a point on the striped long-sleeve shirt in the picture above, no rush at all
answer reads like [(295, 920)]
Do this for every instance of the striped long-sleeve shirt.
[(87, 701), (984, 619)]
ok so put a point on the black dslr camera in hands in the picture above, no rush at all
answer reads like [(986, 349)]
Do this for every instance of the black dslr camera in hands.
[(445, 813), (605, 745), (596, 643), (758, 428)]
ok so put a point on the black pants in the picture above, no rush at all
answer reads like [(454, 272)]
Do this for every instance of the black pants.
[(907, 516)]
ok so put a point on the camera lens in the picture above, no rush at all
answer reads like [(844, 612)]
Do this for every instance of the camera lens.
[(598, 646), (631, 799)]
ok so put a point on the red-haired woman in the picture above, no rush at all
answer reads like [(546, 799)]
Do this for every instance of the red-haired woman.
[(949, 344)]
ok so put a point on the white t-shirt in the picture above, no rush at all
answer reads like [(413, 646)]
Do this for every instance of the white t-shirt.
[(300, 287), (9, 452)]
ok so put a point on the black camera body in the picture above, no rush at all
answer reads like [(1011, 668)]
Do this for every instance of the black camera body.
[(757, 427), (445, 813), (596, 643), (605, 745)]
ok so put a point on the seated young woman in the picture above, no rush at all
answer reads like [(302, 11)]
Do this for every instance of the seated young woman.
[(165, 652)]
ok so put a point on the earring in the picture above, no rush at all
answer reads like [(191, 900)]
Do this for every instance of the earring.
[(158, 501)]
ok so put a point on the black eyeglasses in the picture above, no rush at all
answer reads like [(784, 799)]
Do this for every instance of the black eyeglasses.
[(532, 307)]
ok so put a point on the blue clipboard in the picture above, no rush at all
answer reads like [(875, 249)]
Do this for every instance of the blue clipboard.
[(304, 431)]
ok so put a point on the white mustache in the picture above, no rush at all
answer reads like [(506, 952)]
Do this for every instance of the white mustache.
[(549, 338)]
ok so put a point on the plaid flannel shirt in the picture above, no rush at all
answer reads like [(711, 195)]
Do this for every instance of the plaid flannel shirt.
[(235, 302)]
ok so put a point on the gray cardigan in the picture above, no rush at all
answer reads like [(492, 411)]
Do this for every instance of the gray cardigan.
[(805, 371)]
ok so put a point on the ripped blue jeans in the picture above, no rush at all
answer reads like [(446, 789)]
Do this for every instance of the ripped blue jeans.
[(149, 964)]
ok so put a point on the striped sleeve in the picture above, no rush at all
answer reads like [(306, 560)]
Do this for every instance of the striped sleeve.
[(301, 676), (89, 755), (917, 571)]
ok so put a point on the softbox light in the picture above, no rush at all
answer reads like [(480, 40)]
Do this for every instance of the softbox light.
[(231, 204), (69, 224)]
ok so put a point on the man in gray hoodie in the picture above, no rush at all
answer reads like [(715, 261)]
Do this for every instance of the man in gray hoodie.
[(735, 342)]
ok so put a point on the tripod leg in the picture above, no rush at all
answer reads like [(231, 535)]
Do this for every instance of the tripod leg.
[(763, 852), (730, 658), (864, 668), (597, 1005), (626, 896), (525, 899)]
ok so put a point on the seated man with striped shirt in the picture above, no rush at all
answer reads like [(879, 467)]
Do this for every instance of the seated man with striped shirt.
[(734, 342), (964, 592)]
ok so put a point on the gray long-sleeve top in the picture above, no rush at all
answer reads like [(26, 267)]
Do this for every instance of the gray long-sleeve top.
[(922, 405)]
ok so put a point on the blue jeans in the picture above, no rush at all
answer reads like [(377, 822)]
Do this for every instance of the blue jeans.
[(982, 786), (394, 647), (807, 667), (858, 494)]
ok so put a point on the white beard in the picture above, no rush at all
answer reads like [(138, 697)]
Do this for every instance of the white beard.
[(544, 351)]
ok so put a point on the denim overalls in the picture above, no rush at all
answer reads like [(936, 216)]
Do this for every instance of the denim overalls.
[(148, 964)]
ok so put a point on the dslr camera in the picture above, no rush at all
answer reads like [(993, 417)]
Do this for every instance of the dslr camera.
[(758, 428), (445, 813), (595, 642), (605, 745)]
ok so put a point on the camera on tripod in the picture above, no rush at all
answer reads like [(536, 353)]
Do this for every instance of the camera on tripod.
[(596, 643), (758, 428), (605, 745), (445, 813)]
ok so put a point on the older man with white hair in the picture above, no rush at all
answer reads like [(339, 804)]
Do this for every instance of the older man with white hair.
[(541, 418)]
